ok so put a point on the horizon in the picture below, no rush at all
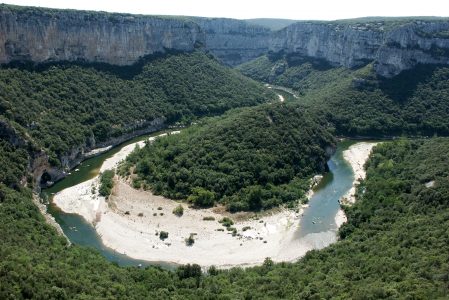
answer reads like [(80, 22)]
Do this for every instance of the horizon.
[(285, 9)]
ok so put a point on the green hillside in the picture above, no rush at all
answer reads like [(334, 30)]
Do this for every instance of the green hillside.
[(65, 105), (250, 159), (360, 103), (395, 245)]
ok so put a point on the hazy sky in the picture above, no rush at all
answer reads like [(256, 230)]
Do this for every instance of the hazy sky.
[(243, 9)]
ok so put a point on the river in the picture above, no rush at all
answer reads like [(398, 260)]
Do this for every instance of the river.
[(318, 219)]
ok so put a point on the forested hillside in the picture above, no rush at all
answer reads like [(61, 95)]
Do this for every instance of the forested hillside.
[(361, 103), (249, 159), (394, 246), (66, 105)]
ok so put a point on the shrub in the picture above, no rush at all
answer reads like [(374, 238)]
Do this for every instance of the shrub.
[(226, 222), (202, 197), (190, 240), (137, 183), (178, 211), (209, 218), (163, 235), (106, 183)]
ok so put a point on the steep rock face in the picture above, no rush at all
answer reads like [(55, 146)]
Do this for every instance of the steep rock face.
[(348, 46), (43, 35), (46, 175), (233, 41), (411, 44), (392, 50), (30, 34)]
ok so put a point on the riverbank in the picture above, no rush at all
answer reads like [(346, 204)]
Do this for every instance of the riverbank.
[(356, 155), (131, 220), (134, 220), (49, 219)]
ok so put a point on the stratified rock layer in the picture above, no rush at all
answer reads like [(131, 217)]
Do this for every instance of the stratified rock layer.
[(43, 35)]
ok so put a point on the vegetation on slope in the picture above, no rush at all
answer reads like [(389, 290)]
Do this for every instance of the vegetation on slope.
[(394, 246), (65, 105), (360, 103), (296, 72), (248, 159)]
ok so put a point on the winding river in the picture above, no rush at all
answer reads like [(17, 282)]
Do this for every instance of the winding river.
[(318, 220)]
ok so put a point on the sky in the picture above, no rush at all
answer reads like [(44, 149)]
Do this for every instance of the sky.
[(246, 9)]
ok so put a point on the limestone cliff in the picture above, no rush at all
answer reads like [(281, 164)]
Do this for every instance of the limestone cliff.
[(415, 43), (43, 35), (233, 41), (392, 47)]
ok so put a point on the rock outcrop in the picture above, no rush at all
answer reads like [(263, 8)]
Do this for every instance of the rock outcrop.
[(392, 47), (233, 41), (46, 35), (339, 45), (45, 174), (41, 35), (415, 43)]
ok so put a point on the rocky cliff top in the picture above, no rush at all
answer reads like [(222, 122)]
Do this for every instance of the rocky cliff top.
[(45, 35)]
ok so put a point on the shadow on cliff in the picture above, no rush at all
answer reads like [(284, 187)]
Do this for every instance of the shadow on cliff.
[(294, 60), (123, 72), (403, 86)]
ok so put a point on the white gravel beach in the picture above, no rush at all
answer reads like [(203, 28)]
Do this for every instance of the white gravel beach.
[(130, 221)]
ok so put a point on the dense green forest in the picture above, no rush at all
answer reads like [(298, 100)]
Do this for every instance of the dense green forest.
[(395, 245), (65, 105), (360, 103), (248, 159)]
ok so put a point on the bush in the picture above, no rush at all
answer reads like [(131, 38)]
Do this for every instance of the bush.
[(226, 222), (163, 235), (190, 240), (209, 219), (106, 183), (178, 211), (202, 197)]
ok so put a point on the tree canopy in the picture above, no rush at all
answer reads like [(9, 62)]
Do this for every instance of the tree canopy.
[(247, 159)]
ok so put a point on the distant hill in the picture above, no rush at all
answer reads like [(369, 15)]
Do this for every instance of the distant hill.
[(273, 24)]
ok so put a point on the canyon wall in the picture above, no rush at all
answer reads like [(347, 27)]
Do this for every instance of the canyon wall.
[(46, 35), (392, 47), (41, 35)]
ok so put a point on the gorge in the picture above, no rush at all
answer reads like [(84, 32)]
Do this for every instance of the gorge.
[(262, 108)]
